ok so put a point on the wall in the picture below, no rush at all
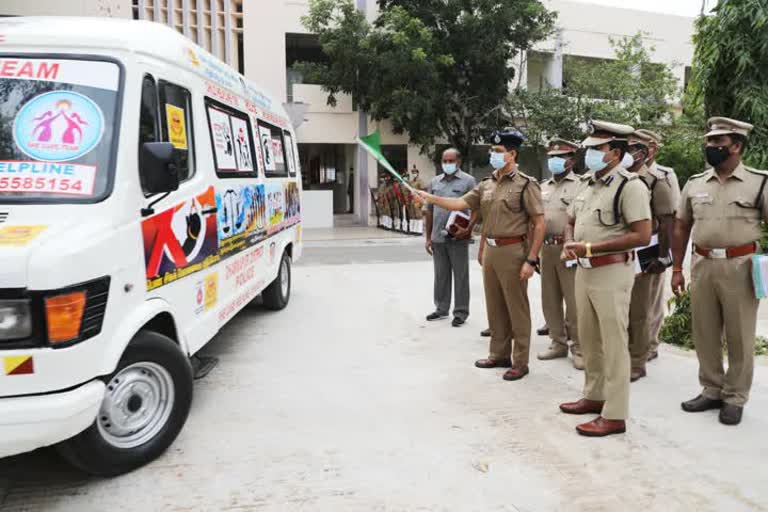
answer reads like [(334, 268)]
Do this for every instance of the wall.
[(113, 8)]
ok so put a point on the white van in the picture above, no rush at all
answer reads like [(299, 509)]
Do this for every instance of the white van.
[(148, 193)]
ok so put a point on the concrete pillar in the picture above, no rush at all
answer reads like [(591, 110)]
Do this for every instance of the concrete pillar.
[(363, 197), (555, 66)]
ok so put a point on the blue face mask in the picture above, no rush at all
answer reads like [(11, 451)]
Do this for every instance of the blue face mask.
[(497, 160), (557, 165), (594, 160), (449, 168)]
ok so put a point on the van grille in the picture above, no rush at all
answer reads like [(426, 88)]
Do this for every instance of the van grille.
[(95, 308)]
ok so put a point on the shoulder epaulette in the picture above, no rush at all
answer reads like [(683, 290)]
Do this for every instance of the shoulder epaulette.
[(628, 174), (665, 169), (486, 178), (586, 176), (530, 178), (756, 171)]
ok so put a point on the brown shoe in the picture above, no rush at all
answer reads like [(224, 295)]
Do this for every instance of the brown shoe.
[(516, 373), (583, 406), (637, 374), (601, 427), (653, 354), (493, 363)]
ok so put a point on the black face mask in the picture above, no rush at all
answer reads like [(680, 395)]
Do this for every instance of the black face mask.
[(717, 155)]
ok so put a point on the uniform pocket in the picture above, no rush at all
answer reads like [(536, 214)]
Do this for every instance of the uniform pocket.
[(701, 206)]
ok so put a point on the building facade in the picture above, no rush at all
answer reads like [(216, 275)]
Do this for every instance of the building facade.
[(264, 38)]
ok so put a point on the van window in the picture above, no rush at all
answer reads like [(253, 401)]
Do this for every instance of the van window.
[(148, 121), (232, 141), (176, 113), (292, 164), (273, 150)]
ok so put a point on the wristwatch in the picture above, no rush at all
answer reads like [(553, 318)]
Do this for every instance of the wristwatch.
[(533, 263), (666, 261)]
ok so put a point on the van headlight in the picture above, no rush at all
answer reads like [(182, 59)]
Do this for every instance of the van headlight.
[(15, 320)]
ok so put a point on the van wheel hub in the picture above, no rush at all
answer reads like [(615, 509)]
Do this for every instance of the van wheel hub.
[(137, 403)]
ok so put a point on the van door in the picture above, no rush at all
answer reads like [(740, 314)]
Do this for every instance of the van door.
[(179, 232)]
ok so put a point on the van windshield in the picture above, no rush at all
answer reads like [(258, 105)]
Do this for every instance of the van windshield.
[(57, 129)]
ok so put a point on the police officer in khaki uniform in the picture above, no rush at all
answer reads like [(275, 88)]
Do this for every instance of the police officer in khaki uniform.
[(721, 209), (609, 218), (558, 278), (658, 310), (509, 203), (416, 215), (649, 284)]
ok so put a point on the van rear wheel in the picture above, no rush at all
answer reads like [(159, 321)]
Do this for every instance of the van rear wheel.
[(145, 405), (278, 293)]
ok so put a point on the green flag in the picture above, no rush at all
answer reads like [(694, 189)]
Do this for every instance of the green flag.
[(372, 144)]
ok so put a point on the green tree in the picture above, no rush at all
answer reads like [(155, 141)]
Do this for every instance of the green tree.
[(630, 88), (437, 69), (730, 68)]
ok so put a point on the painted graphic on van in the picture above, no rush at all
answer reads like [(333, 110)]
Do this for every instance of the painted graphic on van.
[(177, 126), (223, 142), (241, 218), (275, 207), (181, 240), (206, 293), (47, 178), (19, 236), (292, 203), (268, 150), (58, 126)]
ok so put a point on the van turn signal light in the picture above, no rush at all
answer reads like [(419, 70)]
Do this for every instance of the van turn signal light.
[(65, 315)]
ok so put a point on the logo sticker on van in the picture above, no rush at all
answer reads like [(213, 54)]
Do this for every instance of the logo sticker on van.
[(19, 236), (58, 126), (19, 365)]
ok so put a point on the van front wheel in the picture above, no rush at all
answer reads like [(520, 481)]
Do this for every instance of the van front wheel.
[(278, 293), (146, 403)]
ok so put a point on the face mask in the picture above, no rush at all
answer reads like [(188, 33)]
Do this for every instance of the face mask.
[(449, 168), (557, 165), (717, 155), (628, 161), (594, 160), (497, 160)]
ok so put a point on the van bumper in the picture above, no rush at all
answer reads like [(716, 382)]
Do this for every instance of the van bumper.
[(31, 422)]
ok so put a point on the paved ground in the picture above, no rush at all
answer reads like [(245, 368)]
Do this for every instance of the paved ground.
[(348, 400)]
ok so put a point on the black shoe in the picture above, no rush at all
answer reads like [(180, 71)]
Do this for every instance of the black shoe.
[(731, 414), (486, 333), (457, 322), (436, 316), (543, 331), (701, 404)]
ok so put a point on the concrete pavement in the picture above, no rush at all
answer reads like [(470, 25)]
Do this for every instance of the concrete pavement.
[(349, 400)]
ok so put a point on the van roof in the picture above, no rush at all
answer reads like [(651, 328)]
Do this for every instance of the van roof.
[(137, 36)]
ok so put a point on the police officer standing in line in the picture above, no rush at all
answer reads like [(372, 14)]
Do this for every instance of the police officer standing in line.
[(557, 279), (721, 209), (450, 253), (658, 309), (650, 283), (509, 202), (609, 218)]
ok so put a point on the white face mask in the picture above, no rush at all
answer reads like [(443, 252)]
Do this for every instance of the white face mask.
[(497, 160), (628, 161), (594, 160), (450, 168)]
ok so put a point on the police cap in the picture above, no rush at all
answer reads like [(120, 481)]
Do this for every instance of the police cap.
[(510, 138)]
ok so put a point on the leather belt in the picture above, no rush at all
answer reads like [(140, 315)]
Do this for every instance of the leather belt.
[(728, 252), (608, 259), (554, 240), (501, 242)]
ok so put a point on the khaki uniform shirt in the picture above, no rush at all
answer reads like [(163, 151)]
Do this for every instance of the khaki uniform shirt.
[(671, 177), (595, 220), (724, 214), (418, 184), (557, 196), (506, 205), (664, 200)]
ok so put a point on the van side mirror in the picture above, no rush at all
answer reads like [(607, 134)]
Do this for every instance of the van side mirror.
[(159, 167)]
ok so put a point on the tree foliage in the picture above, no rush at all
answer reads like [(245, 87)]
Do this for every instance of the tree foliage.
[(730, 68), (630, 88), (437, 69)]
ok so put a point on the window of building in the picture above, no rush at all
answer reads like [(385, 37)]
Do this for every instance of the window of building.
[(232, 141), (272, 150)]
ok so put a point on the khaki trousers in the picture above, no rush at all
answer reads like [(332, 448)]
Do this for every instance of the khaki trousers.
[(658, 312), (642, 313), (558, 284), (723, 303), (506, 299), (603, 296)]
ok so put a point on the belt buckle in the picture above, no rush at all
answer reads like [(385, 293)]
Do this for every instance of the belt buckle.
[(491, 242), (585, 263), (718, 254)]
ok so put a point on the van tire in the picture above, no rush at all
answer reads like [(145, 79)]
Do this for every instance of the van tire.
[(158, 367), (278, 293)]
